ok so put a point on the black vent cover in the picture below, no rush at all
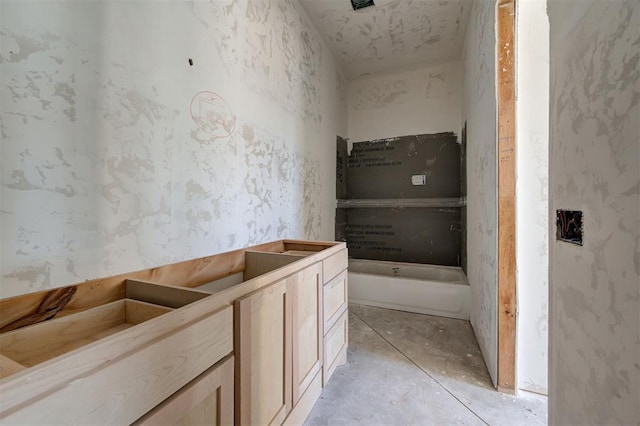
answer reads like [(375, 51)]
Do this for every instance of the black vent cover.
[(360, 4)]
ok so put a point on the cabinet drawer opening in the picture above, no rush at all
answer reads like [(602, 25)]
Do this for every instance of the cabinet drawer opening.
[(36, 343)]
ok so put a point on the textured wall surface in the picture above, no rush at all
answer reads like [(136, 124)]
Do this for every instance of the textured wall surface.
[(594, 316), (118, 155), (393, 34), (532, 194), (409, 102), (479, 111)]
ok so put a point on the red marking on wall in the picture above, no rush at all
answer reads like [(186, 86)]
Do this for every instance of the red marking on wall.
[(212, 114)]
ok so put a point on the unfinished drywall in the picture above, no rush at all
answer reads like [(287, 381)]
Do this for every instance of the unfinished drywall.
[(594, 316), (409, 102), (532, 199), (137, 134), (394, 34), (479, 112)]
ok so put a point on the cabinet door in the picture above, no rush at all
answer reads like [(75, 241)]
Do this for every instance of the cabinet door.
[(263, 356), (305, 290), (207, 400)]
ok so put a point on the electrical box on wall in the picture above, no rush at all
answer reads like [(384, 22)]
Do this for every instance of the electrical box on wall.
[(569, 226), (418, 180), (361, 4)]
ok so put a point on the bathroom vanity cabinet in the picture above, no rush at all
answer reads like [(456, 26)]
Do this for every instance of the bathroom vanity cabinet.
[(245, 337)]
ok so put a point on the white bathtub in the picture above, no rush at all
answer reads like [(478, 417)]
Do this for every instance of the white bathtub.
[(425, 289)]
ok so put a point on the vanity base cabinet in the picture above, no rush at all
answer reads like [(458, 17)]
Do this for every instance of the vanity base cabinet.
[(124, 386), (248, 337)]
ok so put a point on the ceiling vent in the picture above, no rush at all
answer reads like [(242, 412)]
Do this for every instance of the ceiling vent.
[(361, 4)]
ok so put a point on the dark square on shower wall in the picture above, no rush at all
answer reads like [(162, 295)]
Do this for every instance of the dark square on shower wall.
[(360, 4), (569, 226)]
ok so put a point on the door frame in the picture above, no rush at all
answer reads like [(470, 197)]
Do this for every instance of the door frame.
[(506, 108)]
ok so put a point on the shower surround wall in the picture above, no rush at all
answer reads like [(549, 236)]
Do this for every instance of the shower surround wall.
[(594, 316), (423, 101), (387, 216), (118, 154)]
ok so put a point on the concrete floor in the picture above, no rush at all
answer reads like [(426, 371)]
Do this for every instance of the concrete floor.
[(412, 369)]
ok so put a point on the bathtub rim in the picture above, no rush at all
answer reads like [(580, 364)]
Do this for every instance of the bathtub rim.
[(421, 296), (463, 281)]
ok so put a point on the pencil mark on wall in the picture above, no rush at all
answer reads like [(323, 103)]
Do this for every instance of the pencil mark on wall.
[(213, 115)]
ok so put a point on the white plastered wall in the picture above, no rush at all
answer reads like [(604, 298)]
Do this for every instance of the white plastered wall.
[(532, 223), (407, 102), (479, 112), (114, 160), (594, 315)]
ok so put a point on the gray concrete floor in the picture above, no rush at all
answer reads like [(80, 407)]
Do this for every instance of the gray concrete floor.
[(412, 369)]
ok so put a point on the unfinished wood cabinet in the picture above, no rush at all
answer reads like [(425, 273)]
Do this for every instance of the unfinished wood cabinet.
[(334, 264), (259, 262), (136, 352), (336, 320), (335, 299), (305, 290), (33, 345), (279, 335), (263, 356), (242, 337), (206, 401), (335, 347)]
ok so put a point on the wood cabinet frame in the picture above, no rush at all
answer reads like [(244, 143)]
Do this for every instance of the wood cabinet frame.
[(297, 284), (338, 286), (166, 350), (217, 380), (255, 360)]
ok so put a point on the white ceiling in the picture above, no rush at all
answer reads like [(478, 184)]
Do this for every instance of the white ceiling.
[(393, 34)]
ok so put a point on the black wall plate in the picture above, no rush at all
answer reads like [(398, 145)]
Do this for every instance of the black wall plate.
[(359, 4), (569, 226)]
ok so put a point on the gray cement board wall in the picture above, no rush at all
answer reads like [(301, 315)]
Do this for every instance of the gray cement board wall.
[(342, 157), (383, 169), (415, 235), (463, 193)]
